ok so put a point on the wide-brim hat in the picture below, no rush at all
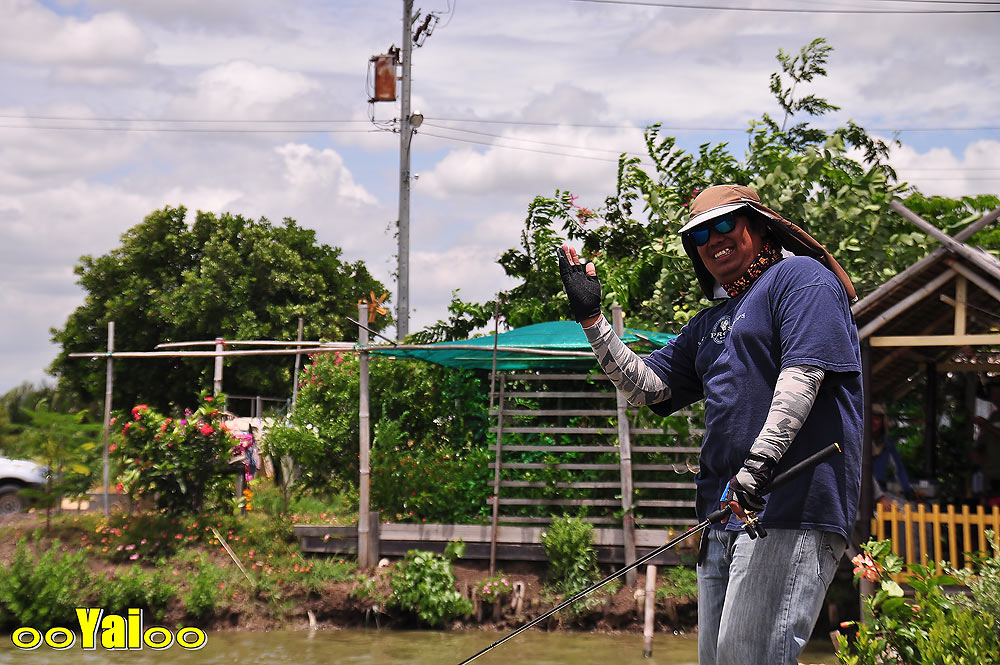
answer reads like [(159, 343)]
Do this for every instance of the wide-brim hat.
[(721, 199)]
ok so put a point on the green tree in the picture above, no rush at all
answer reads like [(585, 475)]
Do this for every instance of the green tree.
[(225, 276), (834, 184), (66, 444)]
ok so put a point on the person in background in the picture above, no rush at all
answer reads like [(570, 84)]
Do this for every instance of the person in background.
[(777, 362), (987, 444), (885, 455)]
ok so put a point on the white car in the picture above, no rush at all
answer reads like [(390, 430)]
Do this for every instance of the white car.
[(15, 475)]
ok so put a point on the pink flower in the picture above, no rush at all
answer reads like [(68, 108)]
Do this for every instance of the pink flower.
[(208, 399), (866, 567), (113, 447), (134, 556)]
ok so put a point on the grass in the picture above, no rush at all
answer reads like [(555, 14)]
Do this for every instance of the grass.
[(181, 561)]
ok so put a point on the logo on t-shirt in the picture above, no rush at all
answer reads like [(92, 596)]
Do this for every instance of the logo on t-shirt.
[(721, 330)]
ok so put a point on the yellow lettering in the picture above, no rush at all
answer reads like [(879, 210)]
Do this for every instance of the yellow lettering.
[(88, 618), (33, 641), (199, 638), (165, 639), (68, 638), (113, 632), (134, 628)]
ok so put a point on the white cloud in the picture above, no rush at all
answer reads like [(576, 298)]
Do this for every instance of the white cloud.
[(242, 90), (940, 172), (66, 192), (32, 34)]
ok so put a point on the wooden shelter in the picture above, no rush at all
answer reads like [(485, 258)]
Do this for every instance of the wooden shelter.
[(939, 314)]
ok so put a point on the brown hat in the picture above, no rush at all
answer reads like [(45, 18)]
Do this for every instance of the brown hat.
[(721, 199)]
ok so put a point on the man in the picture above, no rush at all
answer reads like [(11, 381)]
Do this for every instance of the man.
[(778, 364), (886, 457)]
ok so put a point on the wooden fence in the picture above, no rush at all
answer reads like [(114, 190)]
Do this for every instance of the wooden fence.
[(935, 534)]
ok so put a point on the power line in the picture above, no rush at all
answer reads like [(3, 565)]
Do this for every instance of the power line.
[(789, 10), (515, 138), (630, 127), (522, 148), (177, 120), (984, 128), (193, 130)]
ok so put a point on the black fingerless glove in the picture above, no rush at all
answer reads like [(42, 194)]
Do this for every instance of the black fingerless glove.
[(583, 290), (749, 483)]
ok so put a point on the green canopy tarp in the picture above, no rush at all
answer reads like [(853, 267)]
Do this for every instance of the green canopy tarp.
[(550, 345)]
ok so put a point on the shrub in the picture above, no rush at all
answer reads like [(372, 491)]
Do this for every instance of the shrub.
[(495, 587), (409, 478), (569, 546), (205, 593), (932, 629), (43, 591), (678, 582), (441, 410), (177, 462), (424, 585), (136, 588)]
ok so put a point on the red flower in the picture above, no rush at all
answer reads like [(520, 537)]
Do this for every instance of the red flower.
[(208, 399), (113, 447), (206, 429), (138, 409)]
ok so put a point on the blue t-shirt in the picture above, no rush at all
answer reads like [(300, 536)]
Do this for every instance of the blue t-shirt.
[(795, 313)]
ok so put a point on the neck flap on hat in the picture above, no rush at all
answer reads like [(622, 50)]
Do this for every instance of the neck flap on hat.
[(769, 254)]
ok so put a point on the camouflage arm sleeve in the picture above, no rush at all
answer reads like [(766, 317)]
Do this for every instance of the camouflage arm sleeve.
[(640, 384), (794, 394)]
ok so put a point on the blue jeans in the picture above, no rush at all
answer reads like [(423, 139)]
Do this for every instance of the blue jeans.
[(758, 600)]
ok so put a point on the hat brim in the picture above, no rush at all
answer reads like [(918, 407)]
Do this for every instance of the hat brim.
[(709, 215)]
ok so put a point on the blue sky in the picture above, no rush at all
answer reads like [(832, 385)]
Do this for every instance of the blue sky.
[(592, 75)]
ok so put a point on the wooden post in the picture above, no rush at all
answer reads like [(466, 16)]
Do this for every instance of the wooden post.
[(108, 386), (295, 372), (496, 481), (217, 382), (364, 442), (625, 464), (865, 587), (649, 615), (374, 522)]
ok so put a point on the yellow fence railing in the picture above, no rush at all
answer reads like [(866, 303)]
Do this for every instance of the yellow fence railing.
[(928, 535)]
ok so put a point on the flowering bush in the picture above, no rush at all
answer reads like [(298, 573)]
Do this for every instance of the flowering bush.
[(177, 462), (932, 628), (495, 587)]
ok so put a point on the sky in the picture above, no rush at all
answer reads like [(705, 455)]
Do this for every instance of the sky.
[(111, 109)]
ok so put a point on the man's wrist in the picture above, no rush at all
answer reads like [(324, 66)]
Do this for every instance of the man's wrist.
[(587, 323)]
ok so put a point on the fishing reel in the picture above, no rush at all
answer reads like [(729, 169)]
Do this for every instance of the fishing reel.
[(753, 527)]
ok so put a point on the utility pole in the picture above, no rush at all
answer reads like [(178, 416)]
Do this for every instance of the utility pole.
[(405, 136)]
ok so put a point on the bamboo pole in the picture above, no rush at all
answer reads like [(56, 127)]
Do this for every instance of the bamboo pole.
[(496, 479), (217, 380), (108, 388), (363, 445), (649, 613), (330, 347), (625, 463), (298, 362)]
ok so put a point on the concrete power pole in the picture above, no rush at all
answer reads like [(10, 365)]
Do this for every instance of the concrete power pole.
[(405, 136)]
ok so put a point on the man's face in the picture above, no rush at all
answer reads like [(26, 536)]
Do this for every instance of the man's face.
[(727, 256)]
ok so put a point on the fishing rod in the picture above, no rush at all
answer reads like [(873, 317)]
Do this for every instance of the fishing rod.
[(714, 518)]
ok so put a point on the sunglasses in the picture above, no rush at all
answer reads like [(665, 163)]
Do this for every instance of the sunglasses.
[(723, 226)]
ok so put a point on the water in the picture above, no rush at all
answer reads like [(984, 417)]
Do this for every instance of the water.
[(373, 647)]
